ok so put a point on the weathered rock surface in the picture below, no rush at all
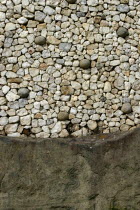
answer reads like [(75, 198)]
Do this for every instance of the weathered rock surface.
[(96, 172)]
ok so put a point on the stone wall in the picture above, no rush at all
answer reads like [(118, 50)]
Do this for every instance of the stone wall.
[(91, 173), (69, 67)]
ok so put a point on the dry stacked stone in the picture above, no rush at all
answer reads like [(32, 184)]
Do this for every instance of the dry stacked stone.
[(69, 68)]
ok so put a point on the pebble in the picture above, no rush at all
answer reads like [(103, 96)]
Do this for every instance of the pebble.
[(22, 20), (122, 32), (40, 40), (11, 128), (85, 64), (49, 11), (39, 16), (10, 27), (124, 8), (23, 92), (92, 125), (53, 40), (10, 96), (65, 47), (107, 87), (57, 128), (25, 120), (71, 1), (62, 116), (126, 108)]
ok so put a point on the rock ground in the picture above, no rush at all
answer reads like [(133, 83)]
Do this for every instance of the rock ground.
[(81, 58)]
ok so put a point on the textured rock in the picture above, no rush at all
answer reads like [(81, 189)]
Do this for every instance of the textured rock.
[(49, 11), (123, 8), (81, 164), (57, 128), (107, 87), (85, 64), (53, 40), (39, 16), (122, 32), (65, 46), (23, 92), (11, 96), (10, 27), (2, 16), (92, 125), (119, 83), (136, 85), (15, 80), (11, 128), (3, 121), (67, 90), (22, 20), (25, 120)]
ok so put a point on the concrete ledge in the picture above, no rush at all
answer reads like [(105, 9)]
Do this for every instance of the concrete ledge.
[(90, 173)]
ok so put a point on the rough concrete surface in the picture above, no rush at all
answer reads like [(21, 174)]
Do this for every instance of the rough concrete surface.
[(91, 173)]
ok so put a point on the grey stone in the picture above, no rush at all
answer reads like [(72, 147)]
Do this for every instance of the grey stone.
[(62, 116), (123, 8), (40, 16), (40, 40), (65, 46), (126, 108), (60, 61), (13, 105), (23, 92), (85, 64), (57, 128), (10, 27), (49, 11), (122, 32), (80, 14), (22, 20), (136, 85), (22, 102), (119, 83), (27, 14)]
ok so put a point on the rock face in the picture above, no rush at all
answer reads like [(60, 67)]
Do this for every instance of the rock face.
[(101, 171)]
